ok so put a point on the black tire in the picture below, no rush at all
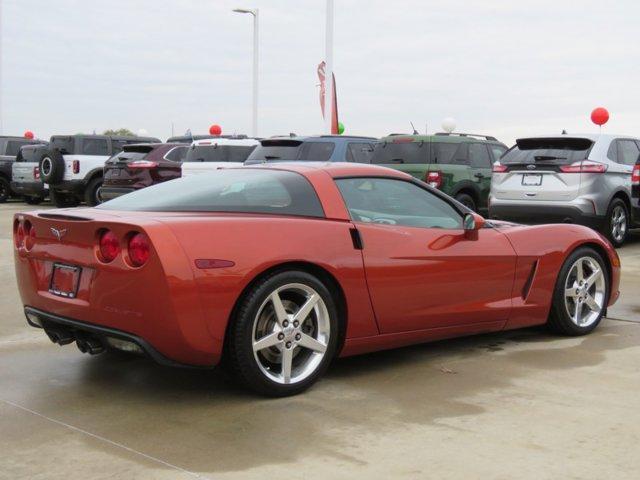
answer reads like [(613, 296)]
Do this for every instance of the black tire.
[(467, 200), (33, 200), (239, 357), (63, 200), (52, 167), (617, 236), (5, 190), (91, 192), (559, 319)]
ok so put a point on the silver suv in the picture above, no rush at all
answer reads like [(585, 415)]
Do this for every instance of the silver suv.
[(584, 179)]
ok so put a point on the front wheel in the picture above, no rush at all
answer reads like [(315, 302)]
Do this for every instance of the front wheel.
[(92, 192), (284, 334), (467, 200), (581, 293)]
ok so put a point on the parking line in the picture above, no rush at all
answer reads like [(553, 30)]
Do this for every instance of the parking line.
[(106, 440)]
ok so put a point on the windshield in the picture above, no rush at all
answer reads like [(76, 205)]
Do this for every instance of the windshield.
[(229, 190), (218, 153), (551, 150)]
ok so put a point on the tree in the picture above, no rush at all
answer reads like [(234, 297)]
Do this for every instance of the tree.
[(121, 131)]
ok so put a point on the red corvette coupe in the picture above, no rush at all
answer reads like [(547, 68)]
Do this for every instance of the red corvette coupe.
[(276, 270)]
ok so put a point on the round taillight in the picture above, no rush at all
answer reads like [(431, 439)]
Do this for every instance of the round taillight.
[(30, 235), (139, 249), (109, 246)]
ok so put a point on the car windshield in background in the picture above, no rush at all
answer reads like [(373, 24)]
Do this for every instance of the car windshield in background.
[(550, 150), (275, 150), (232, 190), (64, 144), (218, 153), (400, 152)]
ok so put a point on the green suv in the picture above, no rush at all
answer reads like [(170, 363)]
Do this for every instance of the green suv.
[(459, 164)]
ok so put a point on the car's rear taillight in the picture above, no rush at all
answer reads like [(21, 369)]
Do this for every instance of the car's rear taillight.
[(584, 167), (36, 173), (635, 176), (139, 249), (76, 166), (18, 233), (109, 246), (434, 178), (29, 235), (498, 168), (142, 164)]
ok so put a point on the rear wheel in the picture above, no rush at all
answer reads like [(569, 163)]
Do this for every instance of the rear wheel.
[(284, 334), (92, 192), (33, 200), (63, 200), (5, 190), (617, 224), (581, 293), (467, 200)]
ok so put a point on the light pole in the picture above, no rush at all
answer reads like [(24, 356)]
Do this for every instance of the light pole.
[(328, 72), (254, 12)]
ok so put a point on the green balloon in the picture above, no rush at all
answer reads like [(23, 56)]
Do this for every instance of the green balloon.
[(340, 128)]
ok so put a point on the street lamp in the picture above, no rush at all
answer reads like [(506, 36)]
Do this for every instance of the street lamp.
[(254, 12)]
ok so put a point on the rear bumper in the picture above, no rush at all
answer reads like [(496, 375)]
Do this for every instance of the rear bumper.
[(69, 186), (536, 214), (51, 322), (109, 193), (29, 189)]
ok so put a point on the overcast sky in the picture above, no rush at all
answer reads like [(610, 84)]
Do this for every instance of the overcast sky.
[(505, 68)]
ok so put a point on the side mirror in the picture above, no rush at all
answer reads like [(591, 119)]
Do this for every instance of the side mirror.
[(472, 222)]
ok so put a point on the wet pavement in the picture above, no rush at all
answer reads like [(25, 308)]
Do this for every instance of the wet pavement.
[(523, 404)]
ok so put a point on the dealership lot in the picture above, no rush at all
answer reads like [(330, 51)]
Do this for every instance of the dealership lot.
[(551, 406)]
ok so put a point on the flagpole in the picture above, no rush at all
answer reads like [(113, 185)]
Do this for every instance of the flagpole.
[(328, 73)]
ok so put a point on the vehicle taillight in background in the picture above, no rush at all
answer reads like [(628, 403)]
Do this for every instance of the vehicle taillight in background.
[(498, 168), (584, 167), (142, 164), (36, 173), (434, 179), (109, 246), (76, 166), (139, 248), (635, 176)]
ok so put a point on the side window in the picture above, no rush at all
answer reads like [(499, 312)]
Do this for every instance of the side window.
[(396, 202), (612, 153), (627, 152), (317, 151), (497, 151), (479, 156), (450, 153), (400, 151), (177, 154), (359, 152), (95, 146)]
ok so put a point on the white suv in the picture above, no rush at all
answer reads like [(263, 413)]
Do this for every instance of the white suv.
[(73, 165), (205, 156)]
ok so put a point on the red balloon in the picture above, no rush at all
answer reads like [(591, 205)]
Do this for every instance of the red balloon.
[(600, 116), (29, 134), (215, 130)]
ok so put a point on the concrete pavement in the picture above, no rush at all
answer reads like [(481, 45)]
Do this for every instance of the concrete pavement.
[(523, 404)]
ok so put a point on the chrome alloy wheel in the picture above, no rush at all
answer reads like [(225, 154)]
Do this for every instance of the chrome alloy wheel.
[(47, 166), (618, 223), (291, 333), (585, 290)]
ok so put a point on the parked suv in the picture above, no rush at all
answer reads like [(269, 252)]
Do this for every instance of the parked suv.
[(583, 179), (459, 164), (25, 174), (221, 152), (139, 166), (320, 148), (9, 148), (73, 166)]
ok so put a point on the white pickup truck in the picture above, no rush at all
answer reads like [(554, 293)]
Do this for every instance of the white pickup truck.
[(205, 156)]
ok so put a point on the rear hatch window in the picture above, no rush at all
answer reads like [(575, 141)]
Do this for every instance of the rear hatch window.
[(64, 144), (270, 150), (30, 154), (218, 153), (547, 152), (400, 151)]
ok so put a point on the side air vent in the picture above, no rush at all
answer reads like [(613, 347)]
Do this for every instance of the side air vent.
[(527, 285)]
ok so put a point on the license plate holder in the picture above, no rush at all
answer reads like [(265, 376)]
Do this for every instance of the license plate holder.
[(531, 179), (65, 280)]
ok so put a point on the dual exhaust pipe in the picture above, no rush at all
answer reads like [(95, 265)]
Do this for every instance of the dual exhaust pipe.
[(85, 343)]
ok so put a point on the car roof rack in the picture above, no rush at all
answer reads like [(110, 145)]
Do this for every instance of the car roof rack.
[(475, 135)]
